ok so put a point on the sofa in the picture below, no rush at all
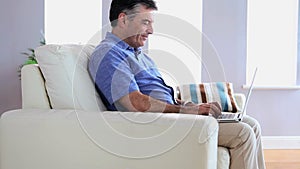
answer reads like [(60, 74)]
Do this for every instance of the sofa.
[(63, 125)]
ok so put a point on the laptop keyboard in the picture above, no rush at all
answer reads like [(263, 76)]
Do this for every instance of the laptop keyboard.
[(227, 116)]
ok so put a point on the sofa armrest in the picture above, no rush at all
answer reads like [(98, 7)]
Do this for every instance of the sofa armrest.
[(76, 139), (33, 88)]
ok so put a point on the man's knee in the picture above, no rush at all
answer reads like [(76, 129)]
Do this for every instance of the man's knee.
[(254, 124), (247, 134), (234, 135)]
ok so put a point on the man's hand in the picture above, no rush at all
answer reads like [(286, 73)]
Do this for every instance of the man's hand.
[(212, 108), (216, 109)]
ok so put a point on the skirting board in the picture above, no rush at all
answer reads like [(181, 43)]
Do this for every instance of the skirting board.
[(281, 142)]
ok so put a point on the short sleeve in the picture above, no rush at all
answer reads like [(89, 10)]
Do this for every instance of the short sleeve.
[(114, 76)]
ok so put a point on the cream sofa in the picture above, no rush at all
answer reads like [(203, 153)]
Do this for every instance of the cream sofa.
[(64, 125)]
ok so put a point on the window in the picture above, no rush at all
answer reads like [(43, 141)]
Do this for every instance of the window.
[(167, 44), (72, 21), (272, 42)]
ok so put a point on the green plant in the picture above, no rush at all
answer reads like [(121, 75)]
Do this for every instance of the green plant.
[(31, 55), (31, 59)]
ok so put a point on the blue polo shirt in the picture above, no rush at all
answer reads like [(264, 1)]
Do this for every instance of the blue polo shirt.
[(118, 69)]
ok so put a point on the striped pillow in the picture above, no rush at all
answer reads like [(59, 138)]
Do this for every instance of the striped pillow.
[(221, 92)]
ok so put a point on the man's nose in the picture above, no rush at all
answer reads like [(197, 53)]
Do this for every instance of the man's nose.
[(150, 29)]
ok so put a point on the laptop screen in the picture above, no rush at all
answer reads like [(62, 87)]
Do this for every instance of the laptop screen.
[(249, 91)]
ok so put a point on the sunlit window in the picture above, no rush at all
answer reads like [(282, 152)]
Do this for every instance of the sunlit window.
[(167, 43), (72, 21), (272, 42)]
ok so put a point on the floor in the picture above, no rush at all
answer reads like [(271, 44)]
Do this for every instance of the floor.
[(282, 159)]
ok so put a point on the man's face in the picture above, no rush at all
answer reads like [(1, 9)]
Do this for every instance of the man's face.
[(138, 27)]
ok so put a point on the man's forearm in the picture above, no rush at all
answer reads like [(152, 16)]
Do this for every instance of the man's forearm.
[(137, 101)]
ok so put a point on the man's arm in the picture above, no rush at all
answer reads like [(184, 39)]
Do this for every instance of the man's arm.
[(136, 101)]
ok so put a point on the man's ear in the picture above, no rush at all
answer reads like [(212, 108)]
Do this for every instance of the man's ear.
[(122, 19)]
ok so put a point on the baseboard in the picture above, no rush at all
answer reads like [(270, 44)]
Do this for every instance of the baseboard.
[(281, 142)]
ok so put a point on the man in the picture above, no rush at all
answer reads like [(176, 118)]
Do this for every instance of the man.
[(128, 80)]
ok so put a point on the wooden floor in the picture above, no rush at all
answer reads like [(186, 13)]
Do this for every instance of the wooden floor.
[(282, 159)]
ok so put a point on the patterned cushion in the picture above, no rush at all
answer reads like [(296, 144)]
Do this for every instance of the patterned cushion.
[(221, 92)]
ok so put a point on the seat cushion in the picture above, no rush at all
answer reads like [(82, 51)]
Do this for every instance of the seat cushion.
[(223, 158), (67, 80)]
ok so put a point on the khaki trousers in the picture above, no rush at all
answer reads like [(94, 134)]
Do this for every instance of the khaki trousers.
[(243, 140)]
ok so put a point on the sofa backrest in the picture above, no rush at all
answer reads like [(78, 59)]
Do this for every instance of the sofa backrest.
[(67, 80)]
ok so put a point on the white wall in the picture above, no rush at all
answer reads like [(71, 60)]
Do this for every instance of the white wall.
[(224, 22), (21, 23)]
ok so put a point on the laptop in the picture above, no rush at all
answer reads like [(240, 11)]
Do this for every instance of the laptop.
[(227, 117)]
